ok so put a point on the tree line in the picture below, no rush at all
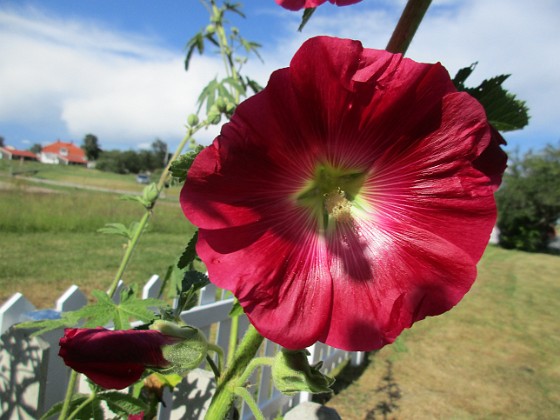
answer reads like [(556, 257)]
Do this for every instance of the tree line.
[(126, 161)]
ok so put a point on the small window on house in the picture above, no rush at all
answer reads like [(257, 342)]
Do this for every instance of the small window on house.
[(63, 151)]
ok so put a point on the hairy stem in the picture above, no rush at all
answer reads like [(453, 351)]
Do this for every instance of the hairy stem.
[(409, 21), (69, 393), (225, 391)]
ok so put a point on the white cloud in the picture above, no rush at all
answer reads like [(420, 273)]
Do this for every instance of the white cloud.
[(514, 37), (122, 87), (128, 89)]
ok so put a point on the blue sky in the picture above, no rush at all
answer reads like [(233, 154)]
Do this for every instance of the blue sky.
[(115, 68)]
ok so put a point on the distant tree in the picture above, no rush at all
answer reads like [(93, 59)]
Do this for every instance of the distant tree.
[(159, 149), (529, 201), (91, 147), (1, 141), (36, 148)]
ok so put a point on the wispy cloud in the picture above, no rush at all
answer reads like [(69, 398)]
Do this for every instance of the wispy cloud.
[(123, 87), (128, 88), (504, 36)]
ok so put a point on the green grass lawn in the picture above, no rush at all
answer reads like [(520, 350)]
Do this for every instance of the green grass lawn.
[(495, 356), (49, 240), (75, 174)]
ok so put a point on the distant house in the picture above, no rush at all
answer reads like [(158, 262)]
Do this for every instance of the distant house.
[(63, 153), (11, 153)]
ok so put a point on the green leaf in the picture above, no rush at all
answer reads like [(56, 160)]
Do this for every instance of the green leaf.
[(171, 380), (196, 42), (307, 13), (68, 319), (292, 373), (462, 75), (132, 197), (122, 404), (189, 254), (255, 87), (116, 229), (194, 280), (503, 110), (130, 307), (92, 410), (236, 310), (181, 165)]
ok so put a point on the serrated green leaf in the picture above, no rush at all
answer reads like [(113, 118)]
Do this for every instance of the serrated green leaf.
[(68, 319), (194, 280), (503, 110), (115, 229), (462, 75), (76, 400), (136, 198), (181, 166), (122, 404), (189, 254)]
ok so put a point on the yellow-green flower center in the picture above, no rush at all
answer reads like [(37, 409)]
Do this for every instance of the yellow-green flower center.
[(332, 195)]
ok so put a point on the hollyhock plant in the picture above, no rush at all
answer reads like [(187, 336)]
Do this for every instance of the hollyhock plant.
[(301, 4), (113, 359), (349, 199)]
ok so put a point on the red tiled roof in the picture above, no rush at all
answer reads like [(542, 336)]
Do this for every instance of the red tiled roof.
[(20, 153), (73, 152)]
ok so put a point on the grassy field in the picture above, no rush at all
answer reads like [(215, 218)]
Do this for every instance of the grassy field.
[(495, 356), (49, 239), (35, 171)]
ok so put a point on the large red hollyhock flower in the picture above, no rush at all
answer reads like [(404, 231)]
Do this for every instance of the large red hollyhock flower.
[(113, 359), (350, 198), (301, 4)]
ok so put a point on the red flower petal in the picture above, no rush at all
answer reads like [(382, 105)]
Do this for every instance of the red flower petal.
[(300, 4), (391, 247), (112, 359)]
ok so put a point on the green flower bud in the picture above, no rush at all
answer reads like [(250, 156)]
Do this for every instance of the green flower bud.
[(221, 104), (150, 194), (230, 108), (292, 373), (192, 120), (214, 115), (187, 352), (210, 29)]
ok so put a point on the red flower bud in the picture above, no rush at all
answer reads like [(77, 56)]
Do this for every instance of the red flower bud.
[(113, 359)]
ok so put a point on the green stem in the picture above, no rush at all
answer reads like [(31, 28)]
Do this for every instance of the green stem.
[(225, 391), (253, 364), (81, 406), (250, 401), (409, 21), (142, 224), (220, 353), (69, 393), (129, 250), (233, 338)]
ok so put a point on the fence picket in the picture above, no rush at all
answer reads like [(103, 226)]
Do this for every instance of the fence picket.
[(47, 376), (71, 300)]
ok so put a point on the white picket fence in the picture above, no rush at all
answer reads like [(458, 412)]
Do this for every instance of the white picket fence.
[(33, 377)]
